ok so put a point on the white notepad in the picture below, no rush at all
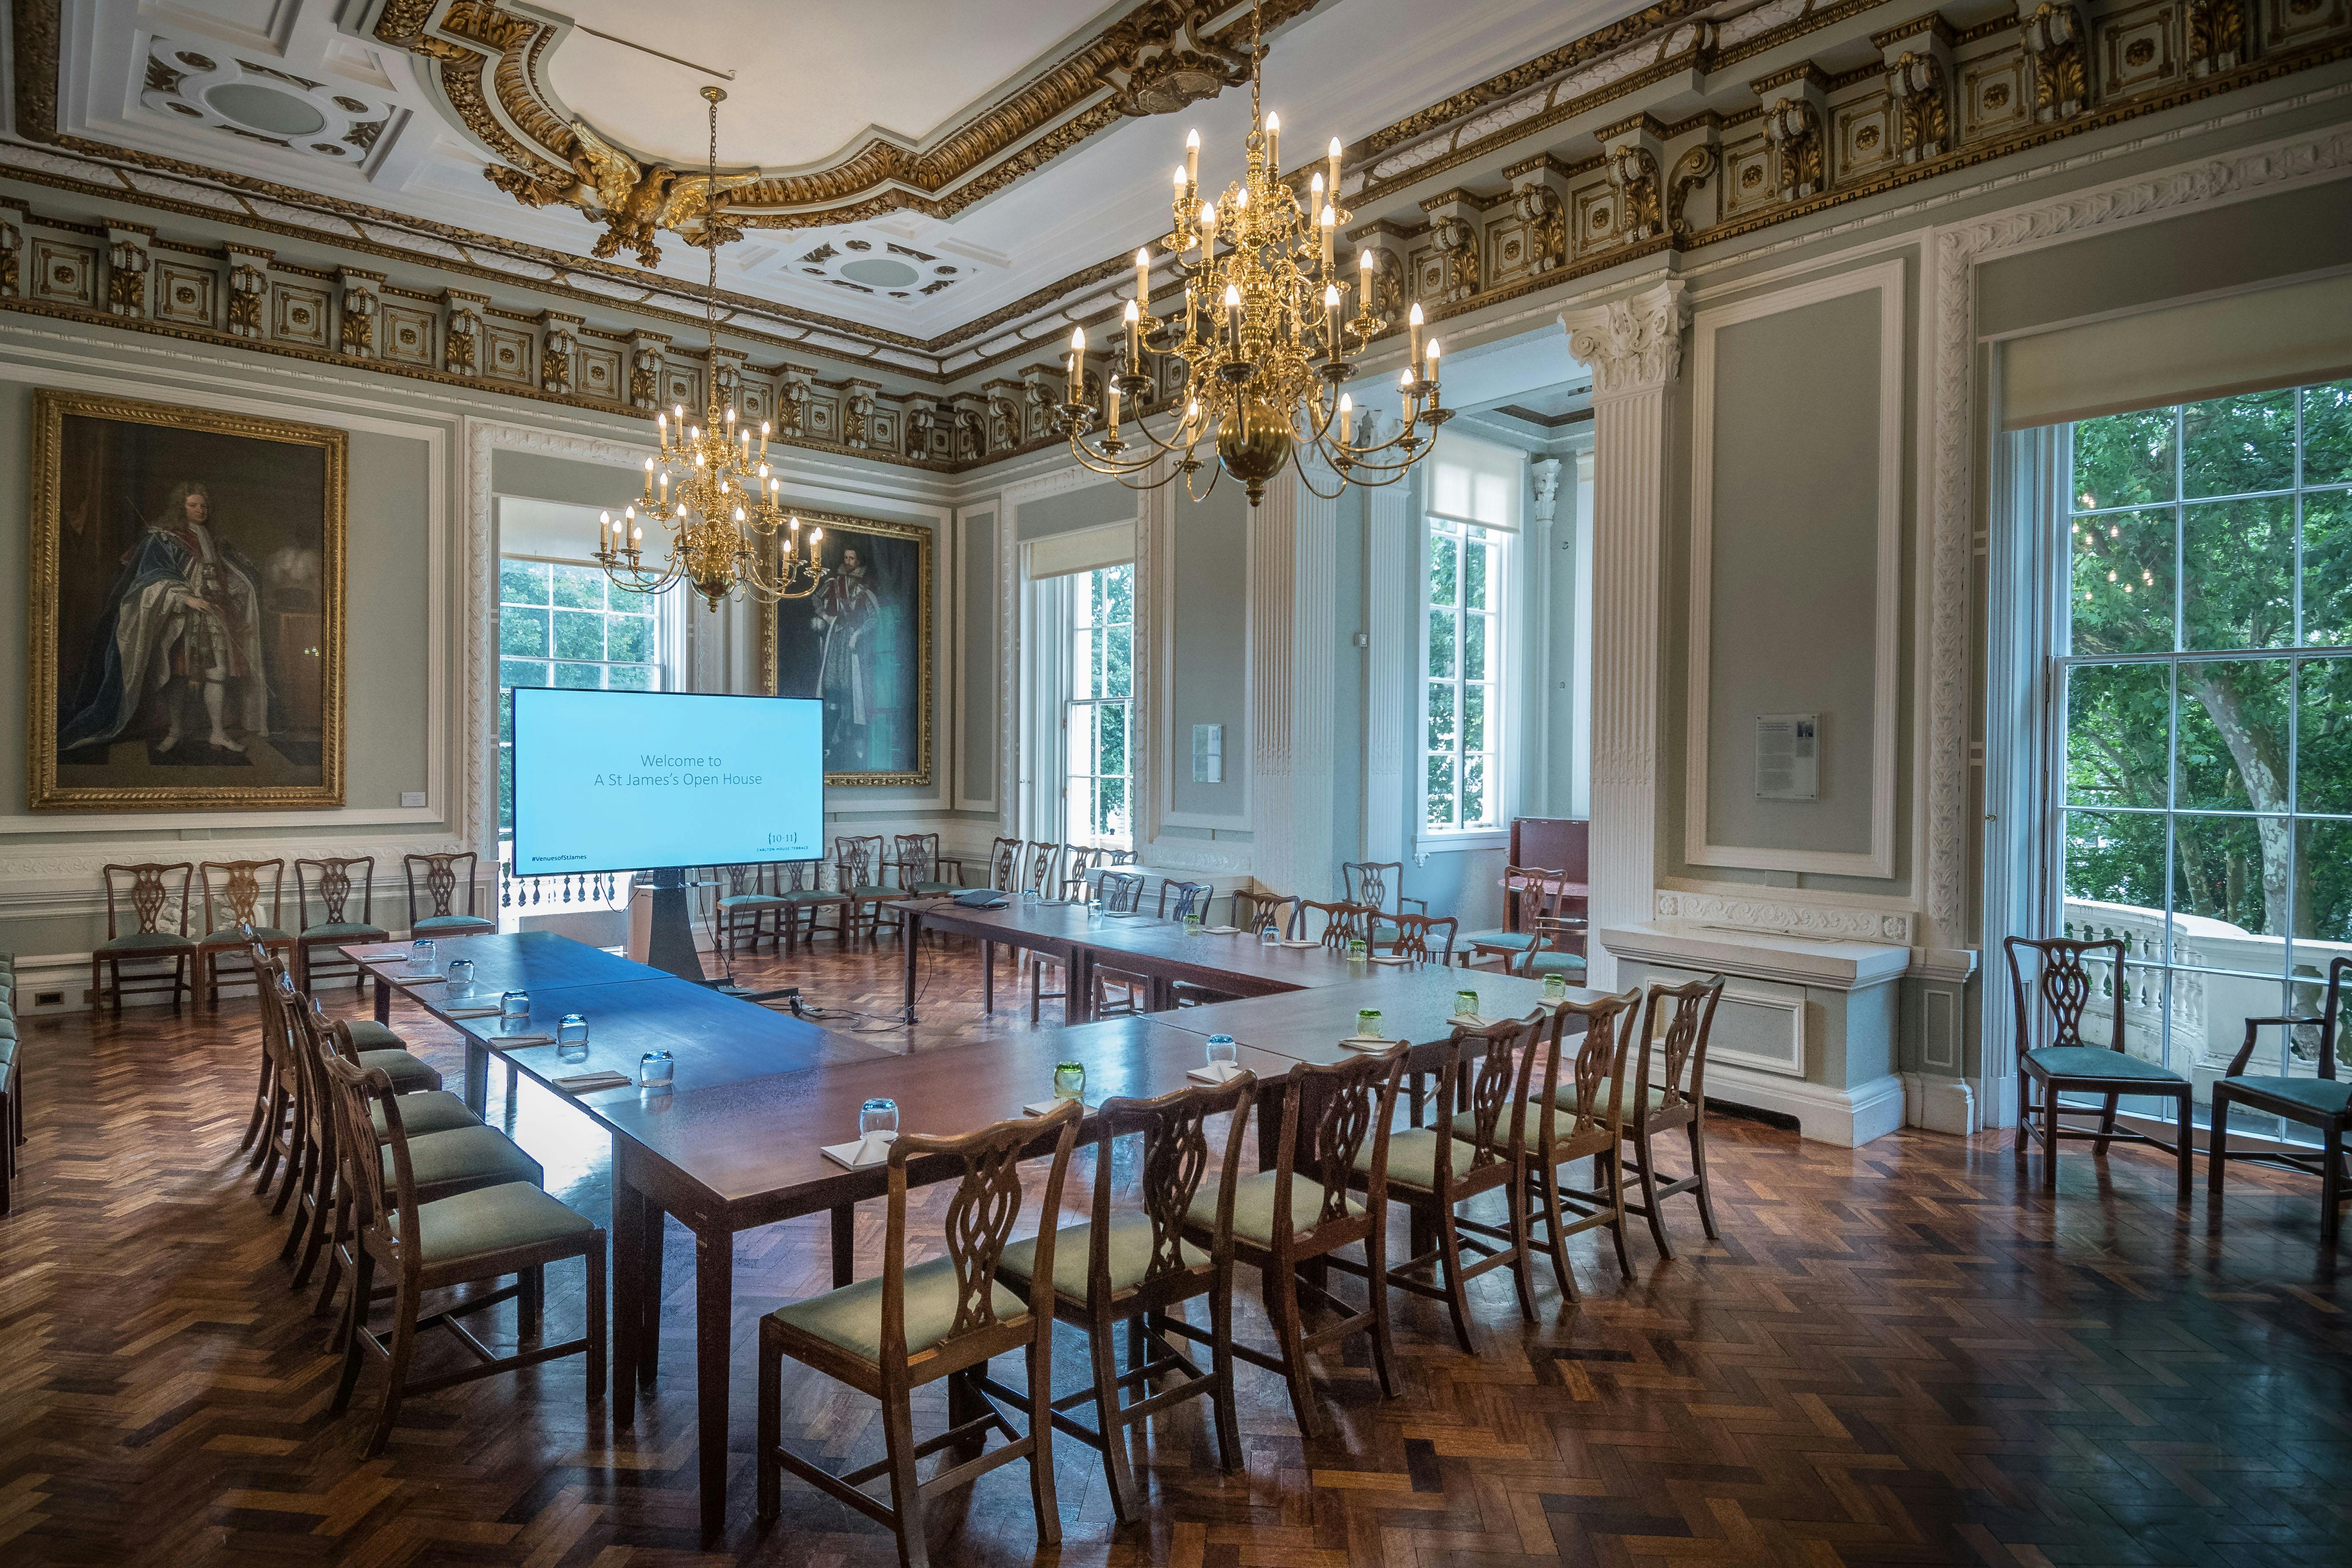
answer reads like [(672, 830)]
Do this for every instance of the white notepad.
[(1221, 930), (1299, 942), (417, 979), (582, 1083), (874, 1149), (474, 1010), (1390, 958), (1365, 1043), (1223, 1072), (540, 1039), (1047, 1108), (1472, 1021)]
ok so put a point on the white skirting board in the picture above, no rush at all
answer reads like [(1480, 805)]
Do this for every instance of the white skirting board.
[(1848, 1118), (1938, 1102)]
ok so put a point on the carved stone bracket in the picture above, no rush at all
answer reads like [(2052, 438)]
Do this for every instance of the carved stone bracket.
[(1633, 154), (2216, 34), (559, 342), (2053, 34), (126, 270), (645, 370), (12, 248), (1796, 108), (356, 333), (461, 331), (248, 289), (1693, 170)]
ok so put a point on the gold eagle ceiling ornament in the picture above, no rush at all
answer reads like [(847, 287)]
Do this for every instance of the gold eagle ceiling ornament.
[(483, 58)]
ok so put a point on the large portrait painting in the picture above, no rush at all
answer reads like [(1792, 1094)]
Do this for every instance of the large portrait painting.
[(186, 609), (862, 642)]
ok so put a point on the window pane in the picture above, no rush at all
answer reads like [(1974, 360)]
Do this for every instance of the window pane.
[(2231, 868), (2240, 557), (2323, 739), (505, 789), (1476, 560), (523, 632), (1473, 790), (1474, 717), (580, 587), (1110, 755), (522, 582), (630, 678), (1119, 593), (1443, 552), (506, 717), (1441, 643), (2123, 583), (2114, 860), (1477, 640), (2233, 735), (1119, 661), (1441, 792), (583, 676), (629, 636), (521, 672), (2328, 568), (2124, 459), (1441, 718), (579, 633), (2323, 912), (2118, 734), (2327, 433), (2233, 445)]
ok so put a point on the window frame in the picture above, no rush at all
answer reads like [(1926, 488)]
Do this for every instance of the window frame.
[(1502, 681), (1074, 591)]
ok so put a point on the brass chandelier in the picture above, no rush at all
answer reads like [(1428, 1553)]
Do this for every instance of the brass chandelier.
[(730, 535), (1262, 336)]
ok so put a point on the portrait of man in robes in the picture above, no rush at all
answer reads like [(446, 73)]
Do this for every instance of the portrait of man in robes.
[(861, 641), (186, 608)]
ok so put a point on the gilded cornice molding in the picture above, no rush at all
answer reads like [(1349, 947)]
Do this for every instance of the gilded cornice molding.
[(485, 60)]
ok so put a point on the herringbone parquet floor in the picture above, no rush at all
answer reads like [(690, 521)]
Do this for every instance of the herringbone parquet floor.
[(1897, 1355)]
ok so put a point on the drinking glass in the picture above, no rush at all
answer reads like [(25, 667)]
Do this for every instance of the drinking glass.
[(420, 956), (1466, 1003), (1070, 1081), (1094, 914), (1555, 987), (461, 977), (1368, 1024), (1192, 925), (514, 1010), (657, 1069), (877, 1116), (1268, 935), (1224, 1056), (571, 1038), (1358, 950)]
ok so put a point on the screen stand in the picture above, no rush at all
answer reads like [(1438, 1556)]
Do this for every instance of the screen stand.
[(670, 943)]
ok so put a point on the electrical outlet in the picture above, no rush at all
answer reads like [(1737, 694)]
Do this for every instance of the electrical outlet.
[(409, 797), (49, 998)]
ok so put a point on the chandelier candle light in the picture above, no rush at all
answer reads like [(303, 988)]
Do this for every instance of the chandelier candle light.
[(731, 535), (1264, 337)]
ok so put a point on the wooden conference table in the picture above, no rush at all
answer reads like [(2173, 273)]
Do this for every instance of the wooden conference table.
[(735, 1144)]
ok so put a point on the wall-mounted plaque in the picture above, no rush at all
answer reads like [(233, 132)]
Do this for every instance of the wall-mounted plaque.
[(1788, 756)]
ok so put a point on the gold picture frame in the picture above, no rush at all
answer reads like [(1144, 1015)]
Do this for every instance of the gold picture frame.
[(898, 567), (140, 510)]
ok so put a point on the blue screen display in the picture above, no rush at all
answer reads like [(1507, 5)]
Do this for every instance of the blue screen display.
[(626, 781)]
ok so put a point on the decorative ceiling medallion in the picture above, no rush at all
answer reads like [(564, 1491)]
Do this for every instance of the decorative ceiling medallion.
[(204, 83), (485, 61), (880, 267)]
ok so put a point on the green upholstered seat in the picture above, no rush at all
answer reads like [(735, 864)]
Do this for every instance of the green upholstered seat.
[(471, 1155), (232, 935), (2326, 1096), (7, 1026), (1514, 940), (447, 925), (851, 1317), (2096, 1062), (872, 890), (1412, 1158), (1564, 1096), (1128, 1244), (1554, 964), (8, 1049), (146, 942), (751, 901), (490, 1220), (427, 1112), (408, 1075), (1253, 1206), (367, 1034), (936, 887), (345, 931)]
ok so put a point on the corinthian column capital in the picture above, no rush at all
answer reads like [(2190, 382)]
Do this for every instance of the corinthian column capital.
[(1635, 344)]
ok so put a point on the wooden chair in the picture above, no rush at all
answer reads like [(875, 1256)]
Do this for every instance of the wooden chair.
[(1038, 870), (1378, 885), (1191, 899), (857, 875), (800, 885), (432, 1244), (1077, 867), (1432, 1170), (1004, 865), (2066, 984), (747, 905), (1282, 1219), (1137, 1269), (1416, 938), (442, 875), (333, 880), (1593, 1096), (1532, 893), (1340, 923), (918, 864), (1676, 1096), (235, 895), (2323, 1101), (1117, 893), (1253, 911), (910, 1326), (152, 888)]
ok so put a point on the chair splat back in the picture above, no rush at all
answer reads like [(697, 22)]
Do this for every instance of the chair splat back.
[(1683, 1043), (1191, 899), (978, 1224), (1349, 1106), (1499, 1066), (333, 880), (234, 891), (1003, 862), (441, 875), (150, 887), (2065, 986), (918, 858), (1121, 892)]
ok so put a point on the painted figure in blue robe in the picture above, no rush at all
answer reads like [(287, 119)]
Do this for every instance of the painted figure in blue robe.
[(182, 622)]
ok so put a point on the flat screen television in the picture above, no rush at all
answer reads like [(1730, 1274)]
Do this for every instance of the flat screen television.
[(630, 780)]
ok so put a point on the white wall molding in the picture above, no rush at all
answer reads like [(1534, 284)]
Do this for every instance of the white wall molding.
[(1886, 279), (1958, 395), (959, 706), (1634, 347), (1391, 616), (1157, 519), (1784, 912), (1151, 672), (1278, 703)]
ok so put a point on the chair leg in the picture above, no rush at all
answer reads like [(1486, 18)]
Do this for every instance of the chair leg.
[(298, 1159), (1376, 1282), (348, 1337), (1704, 1192), (1645, 1170), (1615, 1188), (322, 1201), (2186, 1146), (339, 1222), (2217, 1157), (279, 1116), (597, 1371), (2331, 1184), (906, 1486), (1221, 1368), (1554, 1241), (1282, 1312), (260, 1100), (1123, 1501), (2024, 1112), (530, 1301), (1042, 1501), (1523, 1248), (1449, 1259), (769, 1500), (2106, 1127), (403, 1350), (2049, 1138)]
